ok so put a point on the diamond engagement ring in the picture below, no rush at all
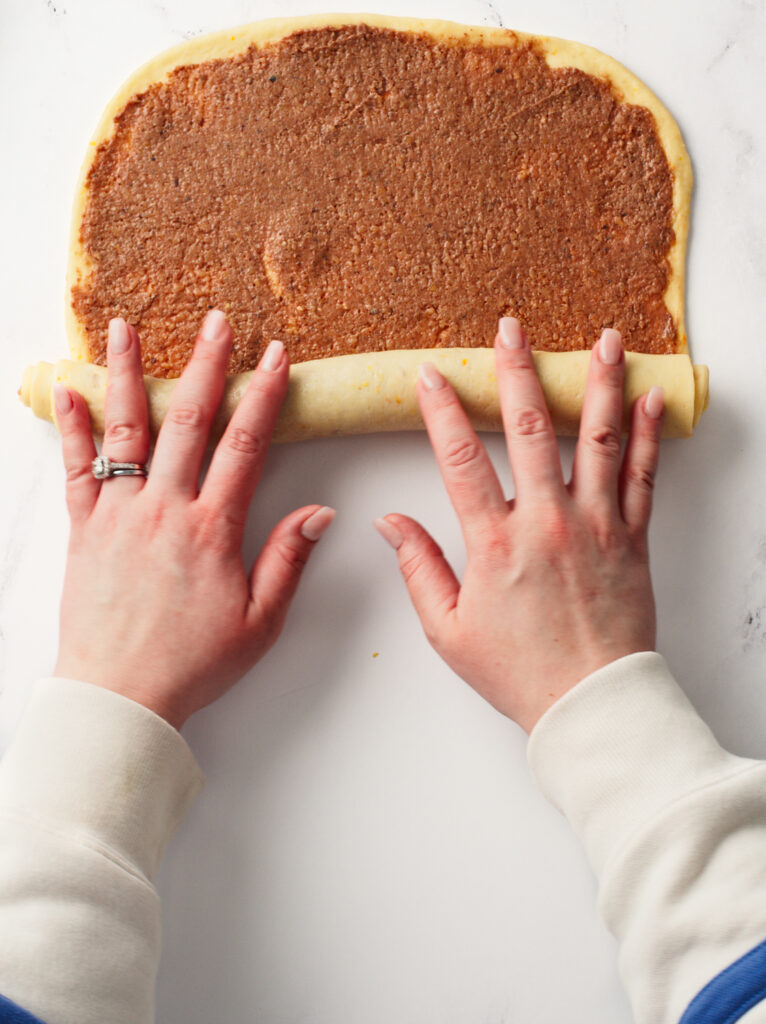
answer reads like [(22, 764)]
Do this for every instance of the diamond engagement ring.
[(103, 468)]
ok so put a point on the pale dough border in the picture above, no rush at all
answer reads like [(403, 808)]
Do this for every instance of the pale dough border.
[(558, 52)]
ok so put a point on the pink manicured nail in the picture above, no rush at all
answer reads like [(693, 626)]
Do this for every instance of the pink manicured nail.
[(273, 356), (610, 347), (317, 523), (430, 376), (119, 336), (214, 326), (511, 334), (62, 399), (654, 403), (389, 533)]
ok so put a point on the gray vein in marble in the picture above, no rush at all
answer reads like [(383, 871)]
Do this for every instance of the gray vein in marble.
[(494, 17), (53, 8), (721, 54), (753, 623), (754, 629), (503, 1017), (167, 19), (741, 146)]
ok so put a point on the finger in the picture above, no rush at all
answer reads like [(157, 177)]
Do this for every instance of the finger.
[(468, 474), (431, 583), (532, 447), (126, 420), (597, 456), (79, 451), (642, 455), (238, 459), (277, 570), (183, 438)]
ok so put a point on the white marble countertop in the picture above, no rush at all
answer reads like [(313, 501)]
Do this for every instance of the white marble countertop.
[(369, 848)]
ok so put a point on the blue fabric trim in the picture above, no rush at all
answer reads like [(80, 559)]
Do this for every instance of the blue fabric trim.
[(728, 997), (10, 1013)]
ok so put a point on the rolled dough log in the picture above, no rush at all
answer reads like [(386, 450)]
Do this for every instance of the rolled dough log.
[(361, 394)]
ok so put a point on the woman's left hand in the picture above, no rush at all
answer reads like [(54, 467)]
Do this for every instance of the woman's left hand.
[(157, 604)]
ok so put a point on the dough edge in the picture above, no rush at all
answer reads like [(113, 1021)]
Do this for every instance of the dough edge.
[(558, 53), (376, 391)]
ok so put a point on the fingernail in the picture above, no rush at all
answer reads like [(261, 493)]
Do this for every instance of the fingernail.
[(511, 334), (214, 326), (119, 336), (62, 399), (654, 403), (317, 523), (430, 376), (389, 533), (272, 357), (610, 347)]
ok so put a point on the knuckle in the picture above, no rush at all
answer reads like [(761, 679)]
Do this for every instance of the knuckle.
[(604, 441), (78, 473), (416, 564), (442, 400), (556, 525), (610, 377), (609, 537), (187, 414), (153, 513), (648, 433), (209, 355), (530, 423), (294, 556), (120, 430), (217, 527), (461, 452), (641, 477), (411, 566), (244, 441), (494, 547), (520, 361), (265, 383)]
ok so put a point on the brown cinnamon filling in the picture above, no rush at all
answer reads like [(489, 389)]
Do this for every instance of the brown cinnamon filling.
[(359, 189)]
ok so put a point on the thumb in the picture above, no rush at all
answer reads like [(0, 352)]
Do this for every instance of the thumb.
[(277, 570), (432, 585)]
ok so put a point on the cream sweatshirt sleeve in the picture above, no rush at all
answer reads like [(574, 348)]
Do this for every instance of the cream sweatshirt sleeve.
[(93, 786), (675, 829), (91, 789)]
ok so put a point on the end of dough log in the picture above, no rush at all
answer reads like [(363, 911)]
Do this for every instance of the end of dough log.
[(36, 390), (374, 392), (701, 392)]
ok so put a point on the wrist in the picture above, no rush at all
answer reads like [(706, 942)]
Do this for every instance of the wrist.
[(547, 696), (138, 690)]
